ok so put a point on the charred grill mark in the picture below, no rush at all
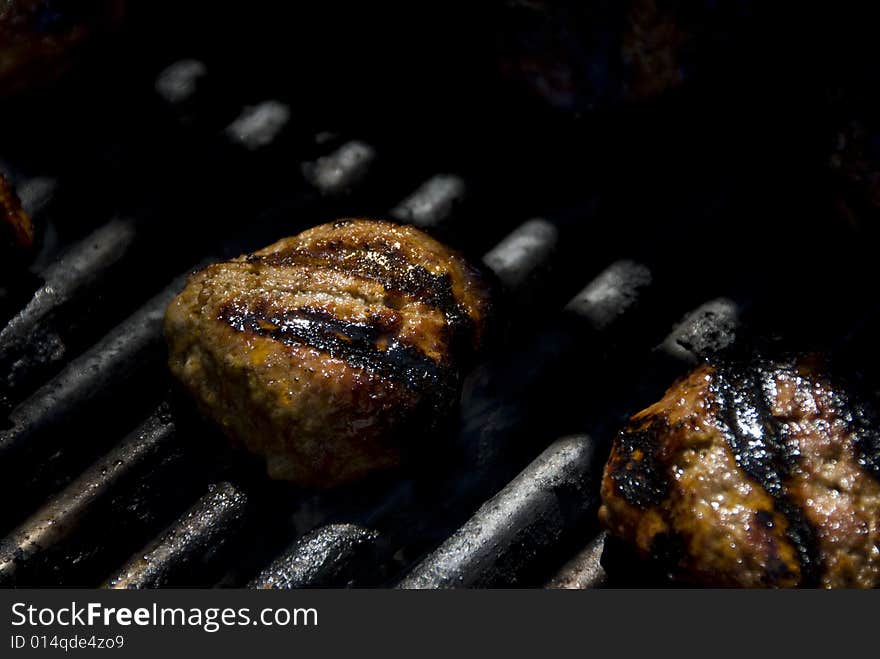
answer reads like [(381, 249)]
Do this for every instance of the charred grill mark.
[(764, 451), (377, 262), (380, 262), (776, 569), (369, 345), (669, 550), (866, 442), (640, 477), (862, 421)]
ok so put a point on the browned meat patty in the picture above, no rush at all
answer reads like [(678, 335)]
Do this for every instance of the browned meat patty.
[(39, 38), (751, 474), (332, 353)]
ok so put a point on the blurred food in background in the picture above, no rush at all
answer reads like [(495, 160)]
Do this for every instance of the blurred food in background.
[(42, 39), (580, 55), (16, 228)]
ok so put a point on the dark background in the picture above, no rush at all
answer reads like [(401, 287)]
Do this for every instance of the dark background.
[(726, 175), (750, 173), (754, 174)]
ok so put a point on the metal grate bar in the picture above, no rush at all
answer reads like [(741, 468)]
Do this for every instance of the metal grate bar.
[(584, 569), (529, 522), (464, 560), (433, 202), (53, 523), (397, 497), (329, 557), (36, 338), (491, 418), (192, 544), (104, 367), (71, 520)]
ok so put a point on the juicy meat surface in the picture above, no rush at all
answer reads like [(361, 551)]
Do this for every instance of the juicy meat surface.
[(751, 475), (332, 353)]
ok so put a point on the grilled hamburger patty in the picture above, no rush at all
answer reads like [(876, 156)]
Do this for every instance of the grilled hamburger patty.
[(332, 352), (751, 474)]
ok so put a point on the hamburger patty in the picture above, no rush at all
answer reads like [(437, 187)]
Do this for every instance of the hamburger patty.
[(332, 353), (751, 474)]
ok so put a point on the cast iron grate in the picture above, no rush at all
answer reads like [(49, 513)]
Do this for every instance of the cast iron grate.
[(111, 479)]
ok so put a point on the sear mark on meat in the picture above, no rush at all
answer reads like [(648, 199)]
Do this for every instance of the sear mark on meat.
[(759, 473), (333, 353)]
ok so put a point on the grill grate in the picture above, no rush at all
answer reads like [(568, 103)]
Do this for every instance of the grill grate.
[(213, 170)]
